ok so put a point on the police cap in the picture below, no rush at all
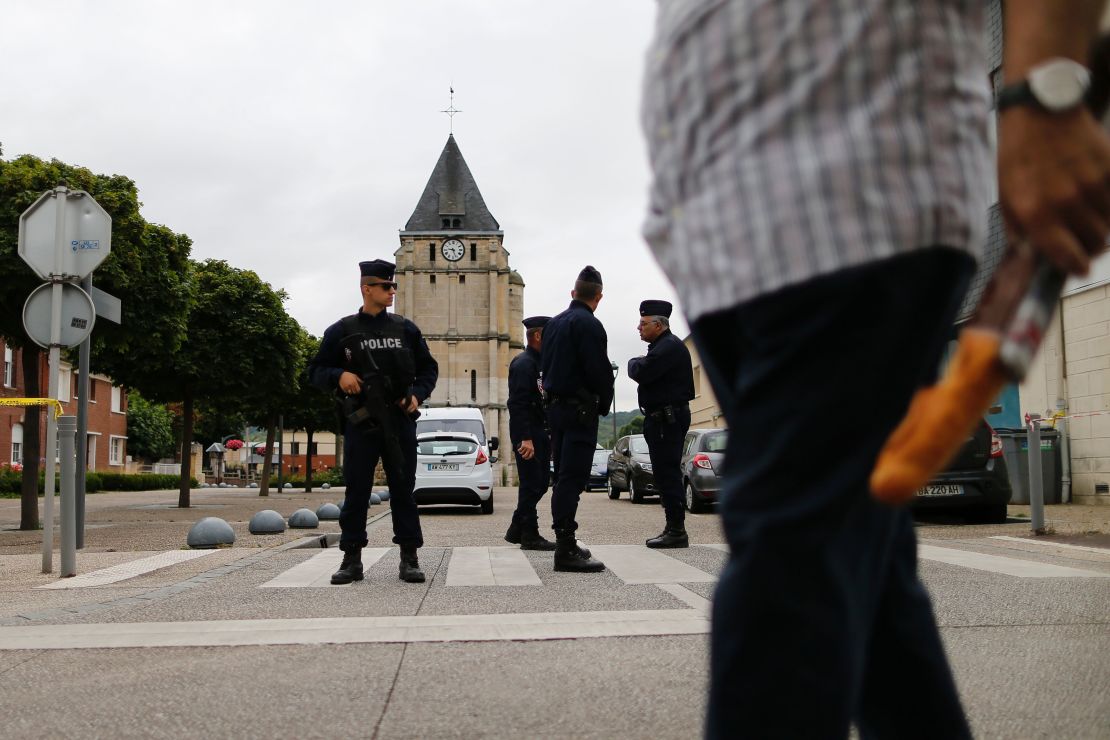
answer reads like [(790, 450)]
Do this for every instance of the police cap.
[(655, 308), (377, 268), (590, 274), (535, 322)]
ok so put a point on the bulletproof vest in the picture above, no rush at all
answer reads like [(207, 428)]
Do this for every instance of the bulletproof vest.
[(386, 342)]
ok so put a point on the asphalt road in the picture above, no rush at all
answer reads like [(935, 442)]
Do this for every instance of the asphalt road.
[(224, 654)]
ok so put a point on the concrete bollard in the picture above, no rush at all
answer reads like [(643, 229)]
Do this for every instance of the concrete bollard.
[(327, 511), (383, 495), (209, 532), (303, 519), (375, 498), (267, 521)]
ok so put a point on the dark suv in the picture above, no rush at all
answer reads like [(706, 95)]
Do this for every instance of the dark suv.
[(975, 483), (703, 453)]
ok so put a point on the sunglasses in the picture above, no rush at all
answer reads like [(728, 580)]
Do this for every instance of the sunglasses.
[(384, 285)]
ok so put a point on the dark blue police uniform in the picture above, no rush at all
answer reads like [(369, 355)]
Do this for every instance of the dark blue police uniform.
[(666, 386), (528, 423), (578, 381), (361, 451)]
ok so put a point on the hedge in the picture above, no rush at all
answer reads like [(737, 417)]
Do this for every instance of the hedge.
[(11, 482)]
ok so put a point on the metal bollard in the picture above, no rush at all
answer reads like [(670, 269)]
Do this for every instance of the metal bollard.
[(67, 431), (1036, 481)]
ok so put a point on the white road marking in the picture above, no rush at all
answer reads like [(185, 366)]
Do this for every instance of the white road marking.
[(349, 630), (685, 595), (490, 566), (317, 570), (998, 564), (1050, 543), (635, 564), (131, 569)]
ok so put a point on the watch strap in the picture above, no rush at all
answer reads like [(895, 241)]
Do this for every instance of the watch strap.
[(1017, 93)]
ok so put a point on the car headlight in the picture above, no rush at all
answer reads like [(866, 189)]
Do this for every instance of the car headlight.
[(646, 467)]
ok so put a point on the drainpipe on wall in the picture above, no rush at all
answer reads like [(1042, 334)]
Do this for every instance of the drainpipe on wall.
[(1062, 408)]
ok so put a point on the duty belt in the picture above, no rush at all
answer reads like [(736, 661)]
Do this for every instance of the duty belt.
[(661, 412)]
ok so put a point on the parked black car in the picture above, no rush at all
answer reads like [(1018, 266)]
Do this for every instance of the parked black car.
[(975, 483), (703, 454), (630, 469)]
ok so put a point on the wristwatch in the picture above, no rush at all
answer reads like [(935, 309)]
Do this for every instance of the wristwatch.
[(1055, 85)]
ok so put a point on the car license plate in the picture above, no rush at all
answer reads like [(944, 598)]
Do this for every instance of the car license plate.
[(443, 466), (949, 489)]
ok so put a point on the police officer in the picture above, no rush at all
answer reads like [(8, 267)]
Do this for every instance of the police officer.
[(666, 385), (531, 443), (578, 383), (400, 353)]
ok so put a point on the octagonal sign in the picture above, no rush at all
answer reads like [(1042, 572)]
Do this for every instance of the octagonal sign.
[(86, 235)]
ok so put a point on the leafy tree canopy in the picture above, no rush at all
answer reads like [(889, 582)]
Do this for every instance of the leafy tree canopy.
[(150, 434)]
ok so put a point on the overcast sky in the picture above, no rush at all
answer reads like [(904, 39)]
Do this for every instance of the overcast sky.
[(295, 138)]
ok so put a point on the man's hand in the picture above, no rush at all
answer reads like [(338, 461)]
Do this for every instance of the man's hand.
[(409, 405), (1054, 183), (526, 450), (350, 383)]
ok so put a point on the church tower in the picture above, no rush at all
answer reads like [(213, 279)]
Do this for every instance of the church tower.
[(455, 282)]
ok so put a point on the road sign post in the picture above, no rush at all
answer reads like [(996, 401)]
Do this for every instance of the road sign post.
[(62, 244)]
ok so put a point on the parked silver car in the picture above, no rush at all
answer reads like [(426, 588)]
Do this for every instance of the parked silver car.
[(703, 454)]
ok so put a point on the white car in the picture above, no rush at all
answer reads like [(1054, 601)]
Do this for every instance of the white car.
[(453, 468)]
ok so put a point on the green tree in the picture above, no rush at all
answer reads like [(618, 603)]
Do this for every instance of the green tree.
[(145, 269), (150, 434), (310, 409), (287, 347), (635, 426)]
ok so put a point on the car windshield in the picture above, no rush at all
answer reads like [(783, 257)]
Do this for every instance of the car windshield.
[(638, 445), (446, 447), (715, 442), (601, 456), (473, 426)]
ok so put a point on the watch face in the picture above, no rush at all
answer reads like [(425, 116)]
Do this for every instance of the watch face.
[(453, 250), (1059, 84)]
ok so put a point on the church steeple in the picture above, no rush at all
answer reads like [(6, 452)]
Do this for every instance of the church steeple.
[(451, 200)]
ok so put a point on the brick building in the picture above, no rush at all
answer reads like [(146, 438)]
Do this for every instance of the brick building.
[(107, 432)]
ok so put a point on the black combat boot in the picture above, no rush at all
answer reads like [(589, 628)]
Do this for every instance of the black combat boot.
[(571, 558), (531, 539), (351, 568), (512, 535), (410, 566), (674, 535)]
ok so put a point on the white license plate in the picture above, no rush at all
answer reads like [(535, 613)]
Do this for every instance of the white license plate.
[(443, 466), (949, 489)]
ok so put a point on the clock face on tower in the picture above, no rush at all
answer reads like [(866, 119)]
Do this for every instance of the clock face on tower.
[(453, 250)]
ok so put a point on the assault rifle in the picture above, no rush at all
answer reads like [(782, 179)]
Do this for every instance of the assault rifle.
[(373, 410)]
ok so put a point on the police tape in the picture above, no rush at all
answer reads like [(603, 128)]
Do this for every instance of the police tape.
[(34, 402)]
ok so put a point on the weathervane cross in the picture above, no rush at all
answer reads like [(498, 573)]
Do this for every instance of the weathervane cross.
[(452, 110)]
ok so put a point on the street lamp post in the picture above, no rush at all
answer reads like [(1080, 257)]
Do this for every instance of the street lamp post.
[(616, 372)]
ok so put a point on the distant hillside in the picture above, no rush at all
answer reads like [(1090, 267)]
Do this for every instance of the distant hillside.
[(605, 426)]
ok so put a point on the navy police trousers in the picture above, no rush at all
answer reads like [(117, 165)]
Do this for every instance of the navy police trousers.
[(360, 456)]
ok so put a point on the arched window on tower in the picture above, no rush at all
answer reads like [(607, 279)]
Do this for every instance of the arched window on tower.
[(473, 385), (455, 223), (473, 252)]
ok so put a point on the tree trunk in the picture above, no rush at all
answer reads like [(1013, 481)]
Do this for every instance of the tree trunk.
[(271, 433), (308, 464), (32, 447), (186, 451)]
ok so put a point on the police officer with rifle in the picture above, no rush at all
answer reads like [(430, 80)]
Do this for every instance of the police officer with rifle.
[(381, 370), (531, 441)]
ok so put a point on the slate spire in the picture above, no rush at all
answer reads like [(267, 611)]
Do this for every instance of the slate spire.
[(451, 199)]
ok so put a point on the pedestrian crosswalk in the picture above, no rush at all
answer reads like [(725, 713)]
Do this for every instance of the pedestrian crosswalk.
[(505, 566)]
